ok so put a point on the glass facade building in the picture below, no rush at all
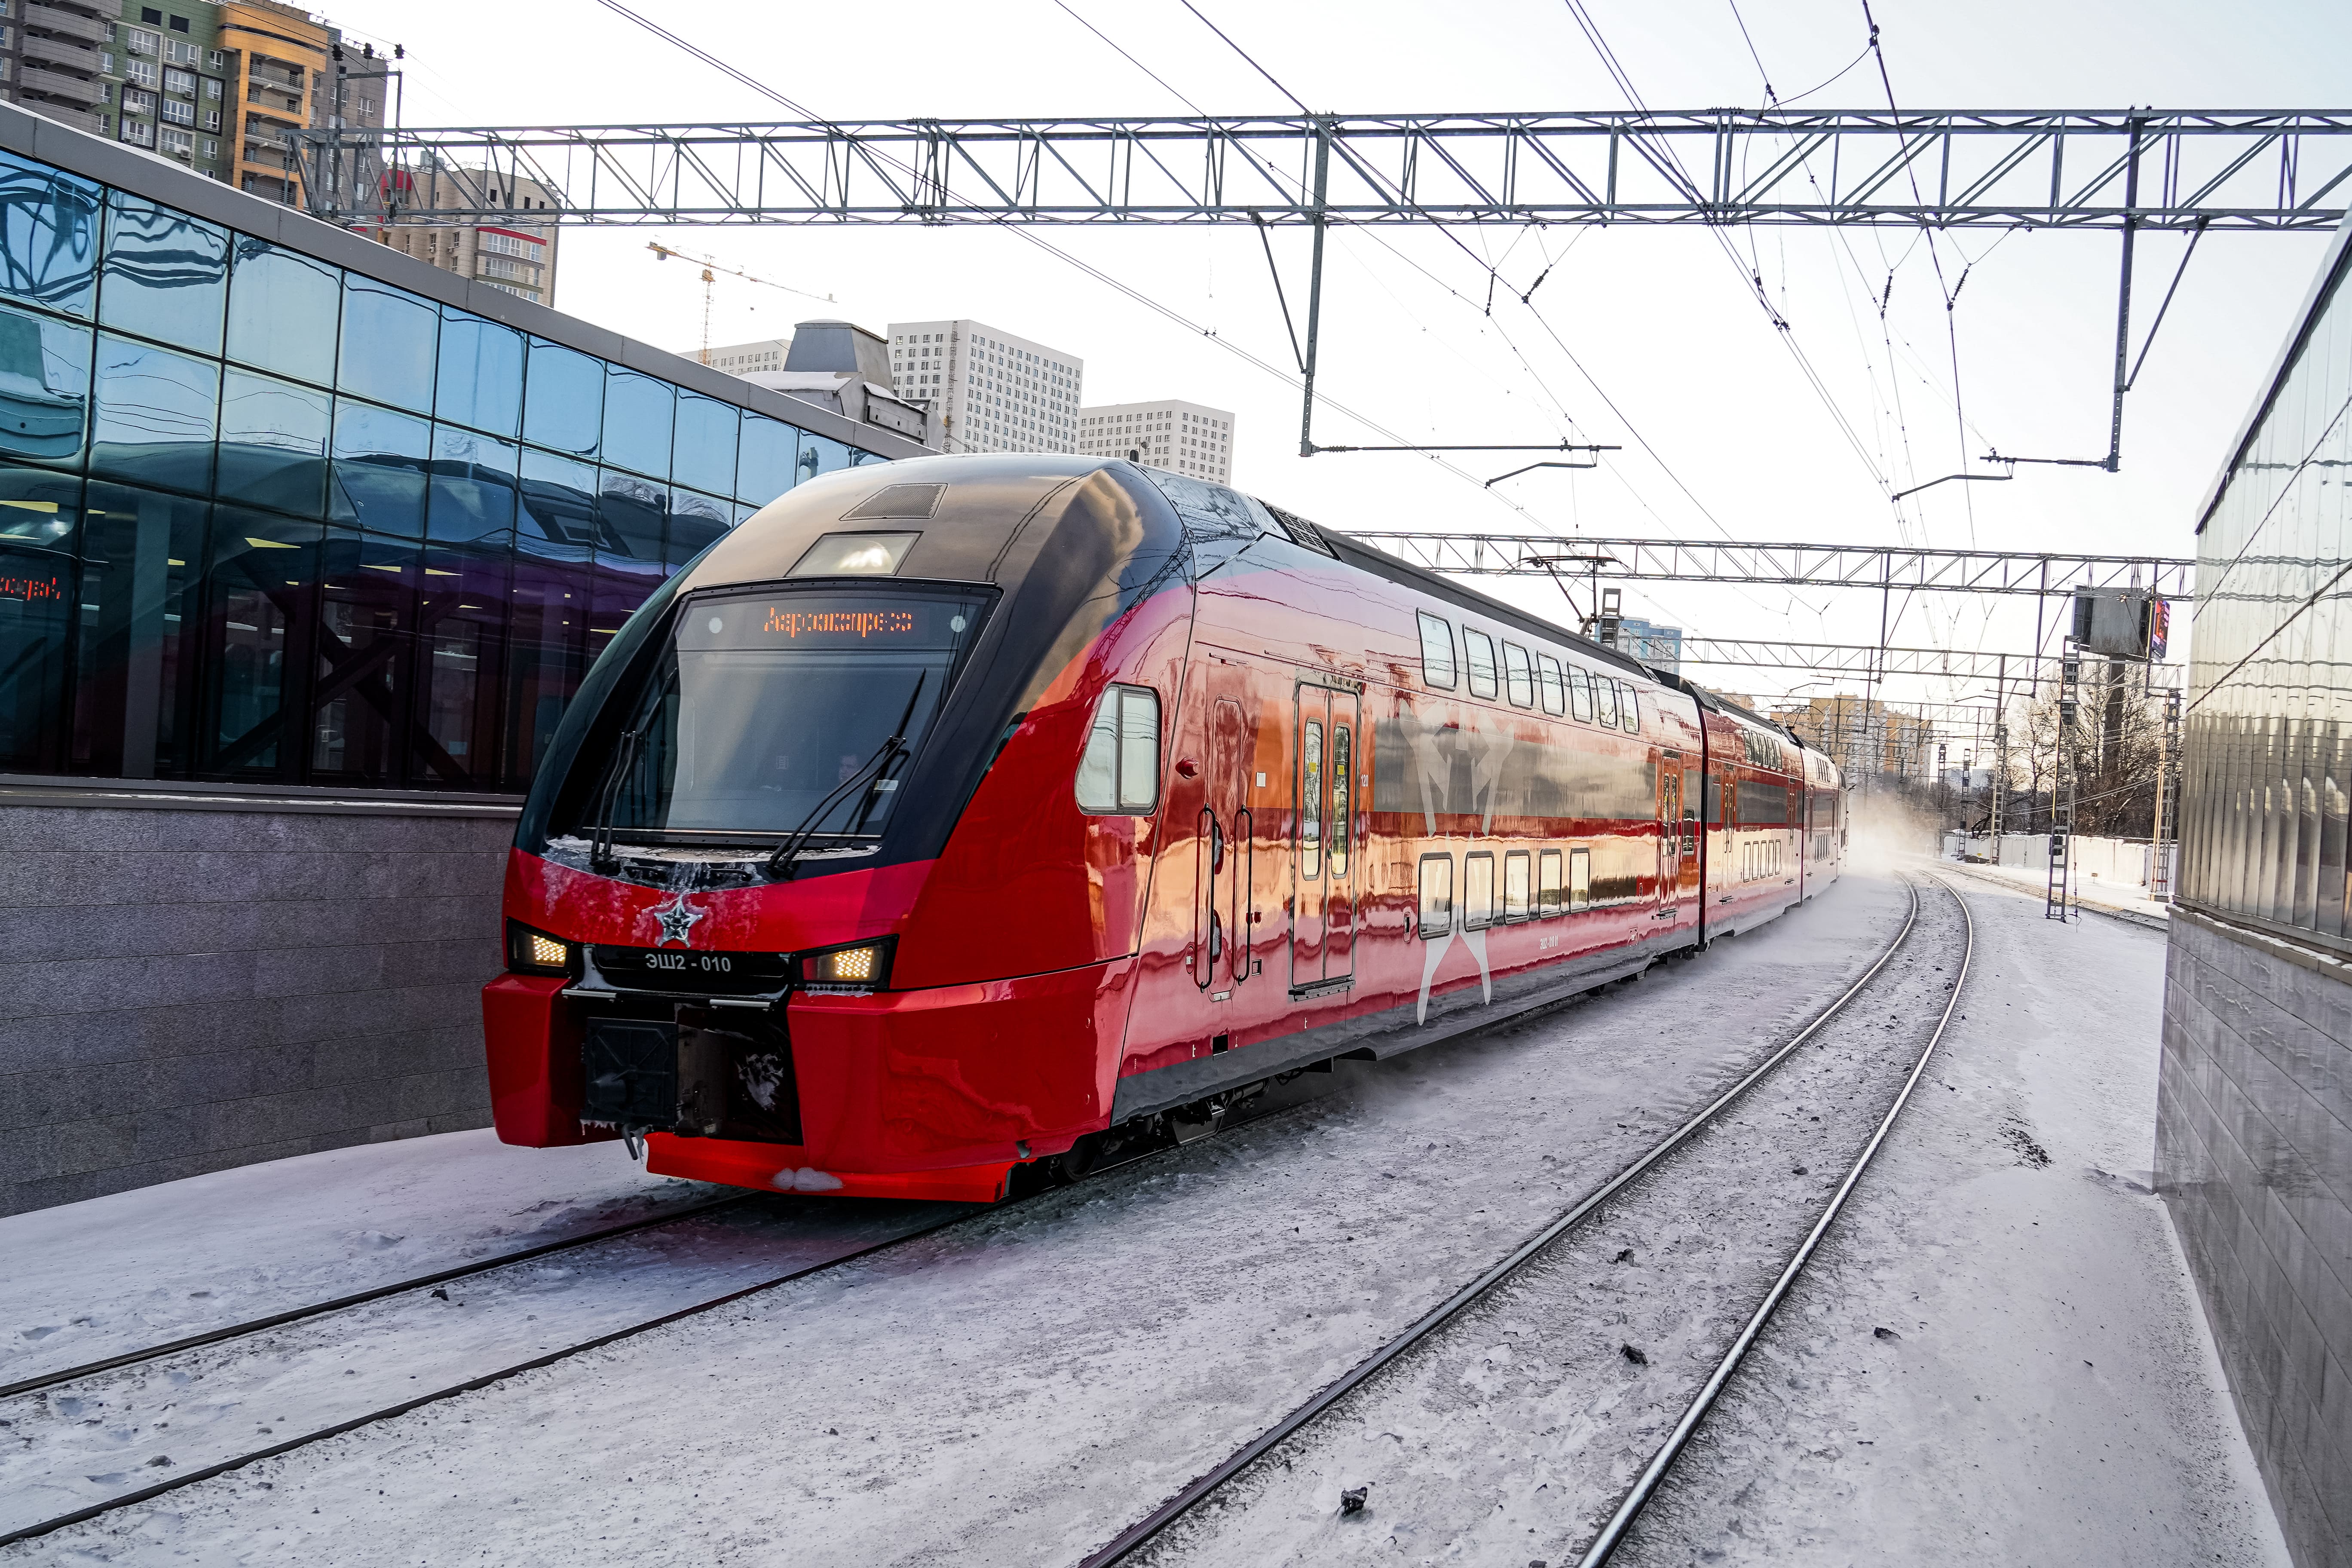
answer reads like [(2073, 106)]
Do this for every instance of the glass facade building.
[(2267, 725), (267, 517)]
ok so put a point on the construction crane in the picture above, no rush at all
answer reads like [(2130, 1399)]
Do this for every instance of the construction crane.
[(711, 266)]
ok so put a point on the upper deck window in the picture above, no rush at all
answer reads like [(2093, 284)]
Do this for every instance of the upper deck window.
[(1629, 706), (1478, 653), (1549, 681), (1518, 676), (1604, 700), (1436, 652), (1580, 692)]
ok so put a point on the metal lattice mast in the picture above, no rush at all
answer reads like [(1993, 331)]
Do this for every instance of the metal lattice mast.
[(2165, 852), (2062, 785)]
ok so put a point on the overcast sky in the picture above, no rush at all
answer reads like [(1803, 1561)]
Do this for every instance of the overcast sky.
[(1667, 329)]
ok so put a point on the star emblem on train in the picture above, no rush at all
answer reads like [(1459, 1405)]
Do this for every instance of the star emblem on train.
[(678, 922)]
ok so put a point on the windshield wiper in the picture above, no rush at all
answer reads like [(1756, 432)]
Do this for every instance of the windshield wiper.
[(789, 852), (601, 857)]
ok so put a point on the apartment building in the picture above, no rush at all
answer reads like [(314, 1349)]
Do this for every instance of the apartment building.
[(988, 390), (743, 359), (1182, 437), (516, 254), (216, 88)]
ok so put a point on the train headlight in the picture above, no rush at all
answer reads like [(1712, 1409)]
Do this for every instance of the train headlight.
[(865, 967), (532, 952)]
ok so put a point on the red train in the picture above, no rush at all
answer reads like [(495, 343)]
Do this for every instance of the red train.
[(951, 823)]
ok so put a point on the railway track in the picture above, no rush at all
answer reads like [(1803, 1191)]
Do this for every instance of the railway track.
[(1425, 1331)]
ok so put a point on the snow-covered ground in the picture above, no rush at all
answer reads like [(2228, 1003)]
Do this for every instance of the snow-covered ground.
[(1020, 1387)]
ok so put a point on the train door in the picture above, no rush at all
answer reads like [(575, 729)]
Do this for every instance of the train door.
[(1669, 835), (1323, 850), (1224, 912)]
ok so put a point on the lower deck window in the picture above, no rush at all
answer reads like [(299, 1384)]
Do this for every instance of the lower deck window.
[(1547, 882), (1436, 895), (1515, 886), (1477, 891), (1580, 879)]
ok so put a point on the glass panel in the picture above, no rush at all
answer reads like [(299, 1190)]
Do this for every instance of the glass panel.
[(389, 335), (460, 619), (1138, 748), (704, 452), (1580, 879), (768, 461), (256, 627), (639, 412), (1629, 707), (1343, 765), (546, 642), (479, 382), (380, 468), (1605, 698), (1310, 801), (273, 443), (1579, 692), (1548, 681), (633, 512), (1519, 676), (821, 455), (558, 513), (1548, 887), (1436, 890), (134, 662), (563, 400), (156, 411), (166, 275), (38, 511), (1478, 650), (1436, 651), (853, 555), (1515, 886), (367, 605), (695, 522), (44, 387), (1477, 891), (283, 311), (48, 236), (473, 486), (1097, 780)]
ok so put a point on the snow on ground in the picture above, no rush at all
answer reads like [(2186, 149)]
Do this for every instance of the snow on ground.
[(95, 1279), (2090, 893), (1020, 1387), (2052, 1397)]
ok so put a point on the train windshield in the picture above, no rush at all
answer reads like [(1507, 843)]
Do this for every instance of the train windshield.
[(771, 713)]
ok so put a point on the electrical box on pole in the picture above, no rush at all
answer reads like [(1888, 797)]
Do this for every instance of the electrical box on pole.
[(2122, 623)]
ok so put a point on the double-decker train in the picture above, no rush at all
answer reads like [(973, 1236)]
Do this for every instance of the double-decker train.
[(951, 823)]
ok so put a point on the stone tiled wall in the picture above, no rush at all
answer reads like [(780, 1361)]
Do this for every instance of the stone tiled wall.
[(2255, 1159), (184, 990)]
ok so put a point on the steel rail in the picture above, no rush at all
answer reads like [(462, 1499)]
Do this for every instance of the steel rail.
[(1613, 1535), (376, 1293), (1120, 1548)]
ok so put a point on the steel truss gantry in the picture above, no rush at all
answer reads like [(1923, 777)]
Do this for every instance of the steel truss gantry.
[(1898, 568), (2107, 169), (1862, 659)]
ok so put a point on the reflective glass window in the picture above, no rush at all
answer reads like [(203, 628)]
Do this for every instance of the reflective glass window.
[(157, 411), (640, 414), (563, 400), (481, 375), (767, 462), (474, 480), (389, 336), (44, 388), (821, 455), (166, 274), (1478, 655), (283, 311), (37, 514), (48, 236), (623, 581), (704, 453), (558, 512), (1518, 676), (546, 636), (367, 606), (380, 468), (695, 522), (1436, 651), (460, 629), (135, 655), (633, 511), (273, 442), (262, 572)]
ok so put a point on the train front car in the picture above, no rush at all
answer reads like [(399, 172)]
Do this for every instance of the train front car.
[(802, 893)]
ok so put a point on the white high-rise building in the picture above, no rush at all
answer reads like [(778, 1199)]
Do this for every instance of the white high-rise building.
[(1182, 437), (988, 390), (743, 359)]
